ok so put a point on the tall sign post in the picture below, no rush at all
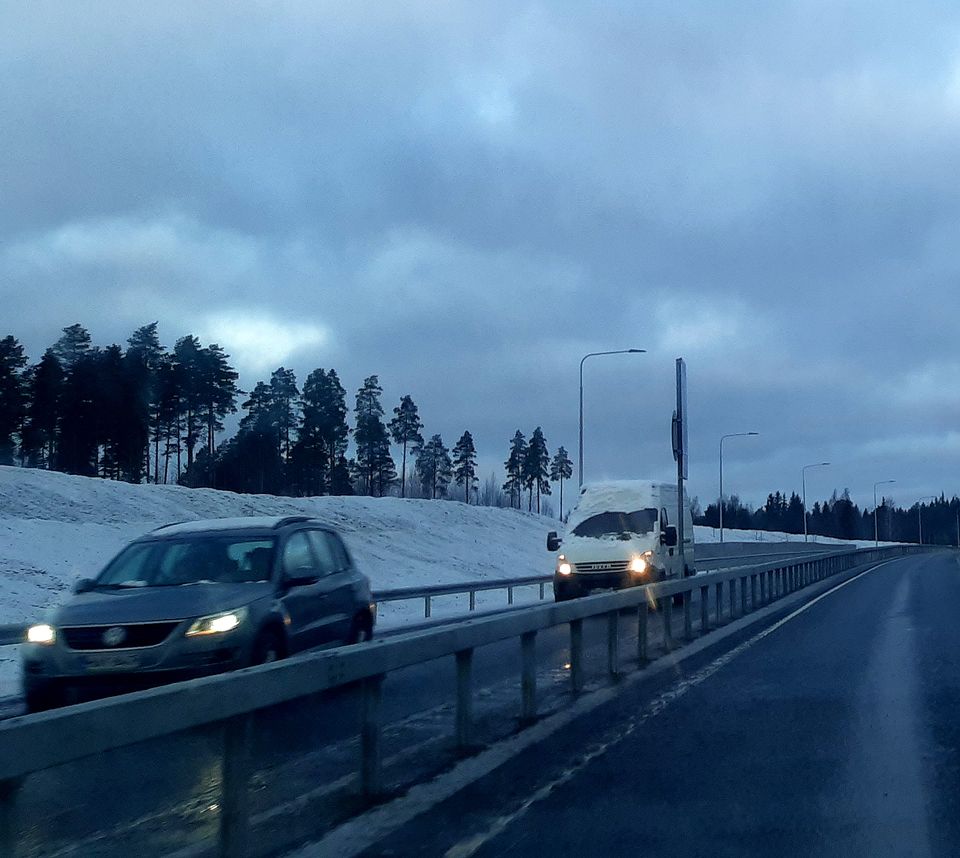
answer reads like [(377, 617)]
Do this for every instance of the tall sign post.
[(680, 444)]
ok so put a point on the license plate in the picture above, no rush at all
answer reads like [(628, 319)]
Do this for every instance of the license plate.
[(112, 662)]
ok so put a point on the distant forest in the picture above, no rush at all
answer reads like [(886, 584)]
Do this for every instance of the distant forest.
[(840, 517), (148, 413)]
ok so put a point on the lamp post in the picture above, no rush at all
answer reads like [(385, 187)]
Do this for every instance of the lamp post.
[(595, 354), (920, 517), (722, 439), (803, 480), (876, 529)]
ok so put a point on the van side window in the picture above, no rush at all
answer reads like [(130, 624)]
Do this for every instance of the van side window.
[(326, 559)]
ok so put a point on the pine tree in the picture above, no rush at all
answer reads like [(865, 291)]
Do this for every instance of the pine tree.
[(514, 467), (535, 468), (465, 464), (322, 434), (189, 356), (44, 390), (78, 431), (13, 396), (285, 399), (434, 467), (216, 391), (561, 468), (405, 429), (143, 359), (72, 346), (376, 467)]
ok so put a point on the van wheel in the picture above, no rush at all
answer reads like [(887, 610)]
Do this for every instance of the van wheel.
[(268, 648), (361, 629)]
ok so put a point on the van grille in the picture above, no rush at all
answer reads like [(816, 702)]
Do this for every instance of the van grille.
[(136, 635), (608, 566)]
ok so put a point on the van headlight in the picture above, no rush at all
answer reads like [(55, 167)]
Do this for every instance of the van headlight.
[(43, 634), (564, 567), (217, 624), (638, 564)]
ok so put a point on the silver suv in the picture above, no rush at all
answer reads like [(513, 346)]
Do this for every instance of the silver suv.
[(197, 598)]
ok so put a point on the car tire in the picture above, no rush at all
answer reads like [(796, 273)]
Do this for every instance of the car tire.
[(361, 629), (267, 648)]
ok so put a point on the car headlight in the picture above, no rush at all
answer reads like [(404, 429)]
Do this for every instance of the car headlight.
[(217, 624), (564, 568), (638, 565), (42, 634)]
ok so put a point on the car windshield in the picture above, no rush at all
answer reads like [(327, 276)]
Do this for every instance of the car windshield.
[(207, 559), (621, 525)]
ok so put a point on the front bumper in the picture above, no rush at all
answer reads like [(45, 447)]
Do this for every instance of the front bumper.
[(584, 583)]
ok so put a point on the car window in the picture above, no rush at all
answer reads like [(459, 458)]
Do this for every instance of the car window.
[(339, 552), (326, 560), (297, 556)]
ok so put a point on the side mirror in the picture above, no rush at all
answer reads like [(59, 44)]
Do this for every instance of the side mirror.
[(301, 578), (669, 536), (84, 585), (553, 541)]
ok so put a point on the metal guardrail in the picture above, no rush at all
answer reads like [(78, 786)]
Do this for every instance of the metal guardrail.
[(13, 634), (32, 743)]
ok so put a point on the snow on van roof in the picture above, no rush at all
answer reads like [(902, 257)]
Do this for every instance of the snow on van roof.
[(619, 496)]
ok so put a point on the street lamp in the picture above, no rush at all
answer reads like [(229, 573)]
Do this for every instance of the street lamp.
[(803, 480), (876, 529), (595, 354), (920, 517), (722, 439)]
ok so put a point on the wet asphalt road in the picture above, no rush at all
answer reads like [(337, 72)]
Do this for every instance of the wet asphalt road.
[(837, 733), (158, 780)]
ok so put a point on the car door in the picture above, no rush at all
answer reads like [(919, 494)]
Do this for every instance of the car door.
[(666, 552), (301, 600), (337, 583)]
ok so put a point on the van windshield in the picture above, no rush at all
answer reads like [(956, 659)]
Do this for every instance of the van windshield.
[(621, 525)]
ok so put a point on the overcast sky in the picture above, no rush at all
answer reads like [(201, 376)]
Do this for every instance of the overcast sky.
[(467, 197)]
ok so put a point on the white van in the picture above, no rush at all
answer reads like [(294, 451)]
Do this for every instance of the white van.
[(621, 534)]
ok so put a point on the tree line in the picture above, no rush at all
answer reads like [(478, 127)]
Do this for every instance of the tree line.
[(841, 518), (152, 414)]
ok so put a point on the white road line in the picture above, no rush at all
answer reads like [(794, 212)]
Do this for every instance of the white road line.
[(365, 831)]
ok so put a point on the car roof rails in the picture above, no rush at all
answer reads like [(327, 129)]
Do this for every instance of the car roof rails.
[(171, 524), (292, 519)]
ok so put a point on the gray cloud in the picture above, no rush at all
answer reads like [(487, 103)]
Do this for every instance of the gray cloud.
[(467, 198)]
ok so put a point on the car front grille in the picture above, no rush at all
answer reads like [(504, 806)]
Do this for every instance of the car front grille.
[(134, 636), (609, 566)]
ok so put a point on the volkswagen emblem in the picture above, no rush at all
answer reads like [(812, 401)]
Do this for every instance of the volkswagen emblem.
[(114, 636)]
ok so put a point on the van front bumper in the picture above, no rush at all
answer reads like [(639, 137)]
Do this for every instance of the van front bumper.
[(583, 583)]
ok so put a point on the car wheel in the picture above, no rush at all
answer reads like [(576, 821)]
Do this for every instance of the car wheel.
[(361, 629), (268, 648)]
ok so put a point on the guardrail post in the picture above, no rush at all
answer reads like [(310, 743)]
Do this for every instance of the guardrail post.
[(719, 594), (528, 678), (9, 790), (642, 611), (426, 606), (576, 656), (666, 613), (687, 615), (473, 600), (732, 583), (743, 596), (235, 781), (464, 716), (509, 595), (753, 592), (613, 644), (371, 725), (542, 585), (704, 610)]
